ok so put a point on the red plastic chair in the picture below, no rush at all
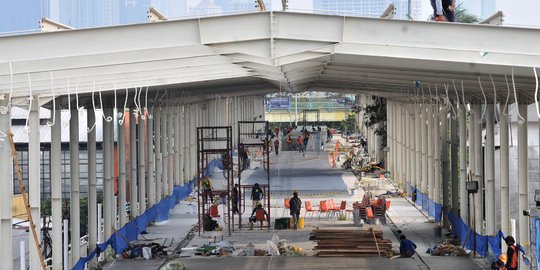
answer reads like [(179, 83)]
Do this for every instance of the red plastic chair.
[(260, 216), (309, 209), (214, 211), (323, 208), (369, 213), (343, 208), (287, 205)]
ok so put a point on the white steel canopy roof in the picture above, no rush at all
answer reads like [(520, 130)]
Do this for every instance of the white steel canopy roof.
[(263, 52)]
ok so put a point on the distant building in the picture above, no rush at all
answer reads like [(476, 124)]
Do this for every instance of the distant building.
[(367, 8), (22, 15)]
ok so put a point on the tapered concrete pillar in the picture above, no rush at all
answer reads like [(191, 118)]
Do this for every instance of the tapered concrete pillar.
[(490, 172), (424, 141), (187, 134), (430, 155), (463, 195), (6, 182), (411, 156), (523, 176), (193, 140), (181, 145), (56, 192), (108, 174), (122, 213), (34, 190), (177, 139), (505, 172), (141, 166), (157, 149), (170, 150), (133, 190), (453, 168), (478, 168), (74, 205), (150, 183), (407, 147), (398, 145), (164, 152), (92, 183)]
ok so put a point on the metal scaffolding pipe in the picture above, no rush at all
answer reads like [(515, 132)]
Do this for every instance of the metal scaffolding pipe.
[(121, 174), (151, 185), (505, 172), (141, 160), (92, 183), (74, 205), (463, 195), (6, 192), (157, 149), (133, 193), (523, 176), (490, 171)]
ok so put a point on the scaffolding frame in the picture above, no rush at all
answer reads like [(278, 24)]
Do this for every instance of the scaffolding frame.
[(210, 141), (305, 114), (254, 130)]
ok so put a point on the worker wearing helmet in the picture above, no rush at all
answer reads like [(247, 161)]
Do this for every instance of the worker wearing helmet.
[(511, 254)]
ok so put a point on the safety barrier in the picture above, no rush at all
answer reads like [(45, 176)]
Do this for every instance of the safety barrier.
[(119, 240), (431, 207), (484, 243)]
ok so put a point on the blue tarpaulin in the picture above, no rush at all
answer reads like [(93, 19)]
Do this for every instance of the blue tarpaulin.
[(434, 209), (484, 244), (119, 241)]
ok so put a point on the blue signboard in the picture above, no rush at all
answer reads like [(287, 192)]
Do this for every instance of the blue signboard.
[(278, 103)]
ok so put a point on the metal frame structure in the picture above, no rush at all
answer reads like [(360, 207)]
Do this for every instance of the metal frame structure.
[(305, 114), (209, 140), (254, 130)]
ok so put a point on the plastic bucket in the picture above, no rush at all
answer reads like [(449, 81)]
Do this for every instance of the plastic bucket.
[(300, 223)]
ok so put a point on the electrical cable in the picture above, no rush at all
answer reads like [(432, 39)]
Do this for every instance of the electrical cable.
[(494, 99), (53, 115), (485, 100), (26, 127), (5, 109), (507, 96), (88, 130), (77, 94), (463, 97), (515, 96), (107, 119), (123, 113), (536, 92)]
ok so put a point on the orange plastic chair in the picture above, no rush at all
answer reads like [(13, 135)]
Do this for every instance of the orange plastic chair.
[(323, 208), (287, 205), (309, 209), (369, 213), (214, 212)]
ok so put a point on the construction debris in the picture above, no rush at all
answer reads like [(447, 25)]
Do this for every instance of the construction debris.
[(350, 242), (449, 247)]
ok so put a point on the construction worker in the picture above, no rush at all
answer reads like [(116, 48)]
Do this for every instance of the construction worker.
[(295, 207), (253, 217), (512, 262), (300, 143), (235, 198), (289, 142), (209, 224), (207, 189), (256, 195), (499, 264), (406, 247), (276, 146)]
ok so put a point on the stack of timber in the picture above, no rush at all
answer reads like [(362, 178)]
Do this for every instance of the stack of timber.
[(367, 242)]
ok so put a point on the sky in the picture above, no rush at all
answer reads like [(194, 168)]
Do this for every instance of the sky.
[(517, 12)]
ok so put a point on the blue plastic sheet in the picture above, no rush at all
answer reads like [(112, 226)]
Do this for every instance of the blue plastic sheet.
[(419, 198), (484, 244), (119, 241)]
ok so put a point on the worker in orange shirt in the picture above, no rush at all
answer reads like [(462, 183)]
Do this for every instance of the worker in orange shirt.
[(511, 254), (300, 142)]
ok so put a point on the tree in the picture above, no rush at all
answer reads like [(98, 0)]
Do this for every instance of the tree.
[(374, 115), (463, 16), (349, 123)]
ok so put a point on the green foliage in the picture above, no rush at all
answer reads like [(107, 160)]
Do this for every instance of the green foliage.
[(374, 115), (349, 123), (463, 16)]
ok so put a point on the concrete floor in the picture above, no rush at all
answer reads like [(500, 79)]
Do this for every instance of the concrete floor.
[(315, 180)]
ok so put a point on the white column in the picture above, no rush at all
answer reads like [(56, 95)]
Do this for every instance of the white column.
[(472, 160), (398, 145), (159, 159), (108, 160), (121, 174), (164, 152), (177, 139), (505, 172), (424, 142), (463, 195), (181, 145), (151, 185), (92, 182), (133, 191), (142, 168), (56, 191), (430, 155), (523, 176), (170, 150), (6, 192), (418, 146), (74, 205), (437, 144), (34, 180), (478, 167), (490, 172)]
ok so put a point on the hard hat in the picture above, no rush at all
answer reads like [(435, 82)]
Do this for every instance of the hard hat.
[(503, 257)]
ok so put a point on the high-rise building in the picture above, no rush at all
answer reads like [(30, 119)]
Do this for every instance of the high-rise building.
[(22, 15), (367, 8)]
